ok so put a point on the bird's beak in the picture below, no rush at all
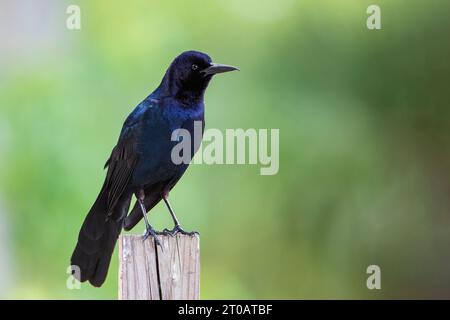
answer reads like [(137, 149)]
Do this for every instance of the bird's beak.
[(215, 68)]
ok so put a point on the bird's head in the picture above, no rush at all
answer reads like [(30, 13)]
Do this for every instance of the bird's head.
[(189, 74)]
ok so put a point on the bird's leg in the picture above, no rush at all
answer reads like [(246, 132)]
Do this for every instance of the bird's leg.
[(149, 231), (177, 228)]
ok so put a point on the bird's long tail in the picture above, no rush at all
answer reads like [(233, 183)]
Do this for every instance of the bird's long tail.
[(96, 241)]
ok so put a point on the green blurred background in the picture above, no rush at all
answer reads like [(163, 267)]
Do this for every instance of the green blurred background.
[(364, 141)]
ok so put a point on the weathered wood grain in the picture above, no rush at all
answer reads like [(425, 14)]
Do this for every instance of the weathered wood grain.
[(169, 273)]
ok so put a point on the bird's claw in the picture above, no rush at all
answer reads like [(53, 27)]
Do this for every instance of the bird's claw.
[(178, 229), (149, 231)]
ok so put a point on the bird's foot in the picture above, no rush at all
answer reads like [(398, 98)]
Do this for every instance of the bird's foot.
[(149, 231), (178, 229)]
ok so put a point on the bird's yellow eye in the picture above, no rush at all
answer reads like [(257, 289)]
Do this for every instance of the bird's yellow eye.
[(194, 67)]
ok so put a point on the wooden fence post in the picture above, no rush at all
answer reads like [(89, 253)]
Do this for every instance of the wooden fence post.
[(170, 273)]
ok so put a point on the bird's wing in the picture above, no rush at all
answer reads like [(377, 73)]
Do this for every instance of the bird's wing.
[(122, 161)]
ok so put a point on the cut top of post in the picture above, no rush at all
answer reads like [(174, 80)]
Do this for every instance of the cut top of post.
[(149, 272)]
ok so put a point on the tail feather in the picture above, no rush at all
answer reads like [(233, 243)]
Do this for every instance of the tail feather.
[(97, 239)]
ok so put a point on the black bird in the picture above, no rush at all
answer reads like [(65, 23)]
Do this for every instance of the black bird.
[(141, 165)]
